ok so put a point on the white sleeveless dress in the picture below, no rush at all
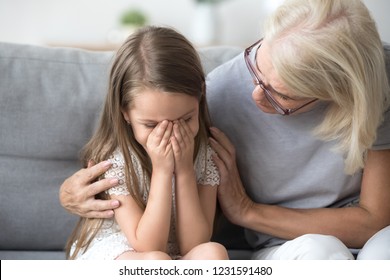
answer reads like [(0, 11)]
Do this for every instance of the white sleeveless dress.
[(110, 241)]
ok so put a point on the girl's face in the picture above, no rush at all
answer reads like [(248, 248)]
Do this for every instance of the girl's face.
[(151, 107)]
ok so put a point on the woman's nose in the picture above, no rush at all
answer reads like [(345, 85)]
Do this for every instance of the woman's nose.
[(258, 93)]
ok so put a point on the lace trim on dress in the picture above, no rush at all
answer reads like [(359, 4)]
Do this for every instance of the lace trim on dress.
[(206, 170), (117, 171)]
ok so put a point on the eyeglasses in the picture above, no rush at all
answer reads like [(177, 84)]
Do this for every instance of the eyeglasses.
[(258, 82)]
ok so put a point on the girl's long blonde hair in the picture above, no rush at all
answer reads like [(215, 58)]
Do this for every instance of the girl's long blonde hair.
[(331, 50), (155, 58)]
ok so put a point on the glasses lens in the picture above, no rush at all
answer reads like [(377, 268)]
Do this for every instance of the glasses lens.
[(250, 68), (257, 81), (270, 99)]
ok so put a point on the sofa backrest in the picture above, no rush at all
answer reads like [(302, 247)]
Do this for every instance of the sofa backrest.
[(50, 102)]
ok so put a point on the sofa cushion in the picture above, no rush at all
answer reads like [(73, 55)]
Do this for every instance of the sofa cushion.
[(50, 101)]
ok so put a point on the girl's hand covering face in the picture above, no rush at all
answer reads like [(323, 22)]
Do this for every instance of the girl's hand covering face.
[(159, 147), (183, 146)]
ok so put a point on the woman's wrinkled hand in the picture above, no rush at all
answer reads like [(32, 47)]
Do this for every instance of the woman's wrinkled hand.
[(77, 193), (232, 197)]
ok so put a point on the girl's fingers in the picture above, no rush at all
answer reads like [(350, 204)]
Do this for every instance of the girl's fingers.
[(186, 130), (161, 134), (167, 134), (182, 132), (177, 132), (175, 145), (159, 130), (180, 135)]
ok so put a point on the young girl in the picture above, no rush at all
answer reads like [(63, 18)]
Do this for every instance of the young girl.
[(154, 131)]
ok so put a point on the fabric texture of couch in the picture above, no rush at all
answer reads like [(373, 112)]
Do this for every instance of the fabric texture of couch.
[(50, 102)]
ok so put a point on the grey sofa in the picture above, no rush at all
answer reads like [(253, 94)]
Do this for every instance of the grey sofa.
[(50, 101)]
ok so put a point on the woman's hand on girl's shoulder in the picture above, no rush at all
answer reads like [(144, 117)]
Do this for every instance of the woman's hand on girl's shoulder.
[(77, 193)]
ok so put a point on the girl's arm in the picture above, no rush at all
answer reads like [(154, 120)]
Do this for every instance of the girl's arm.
[(195, 211), (195, 206), (352, 225), (147, 230)]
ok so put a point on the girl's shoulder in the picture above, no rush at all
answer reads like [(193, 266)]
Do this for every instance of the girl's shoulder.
[(206, 170), (117, 171), (118, 160)]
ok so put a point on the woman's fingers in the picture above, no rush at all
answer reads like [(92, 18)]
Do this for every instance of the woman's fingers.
[(223, 147), (92, 172), (222, 139), (101, 186)]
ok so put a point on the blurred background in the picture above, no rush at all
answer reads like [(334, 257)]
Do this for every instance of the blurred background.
[(102, 24)]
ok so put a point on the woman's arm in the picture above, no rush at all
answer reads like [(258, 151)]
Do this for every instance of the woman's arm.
[(352, 225)]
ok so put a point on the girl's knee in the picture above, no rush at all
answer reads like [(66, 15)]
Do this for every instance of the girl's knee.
[(209, 251), (214, 251), (153, 255), (219, 250), (377, 247), (157, 255)]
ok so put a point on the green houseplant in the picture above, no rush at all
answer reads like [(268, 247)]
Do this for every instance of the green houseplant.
[(130, 21), (133, 17)]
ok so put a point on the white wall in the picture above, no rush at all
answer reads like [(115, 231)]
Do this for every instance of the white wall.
[(91, 21)]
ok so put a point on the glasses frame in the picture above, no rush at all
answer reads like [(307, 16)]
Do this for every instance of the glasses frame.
[(259, 82)]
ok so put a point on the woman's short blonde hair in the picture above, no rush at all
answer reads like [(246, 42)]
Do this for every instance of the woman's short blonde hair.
[(331, 50)]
